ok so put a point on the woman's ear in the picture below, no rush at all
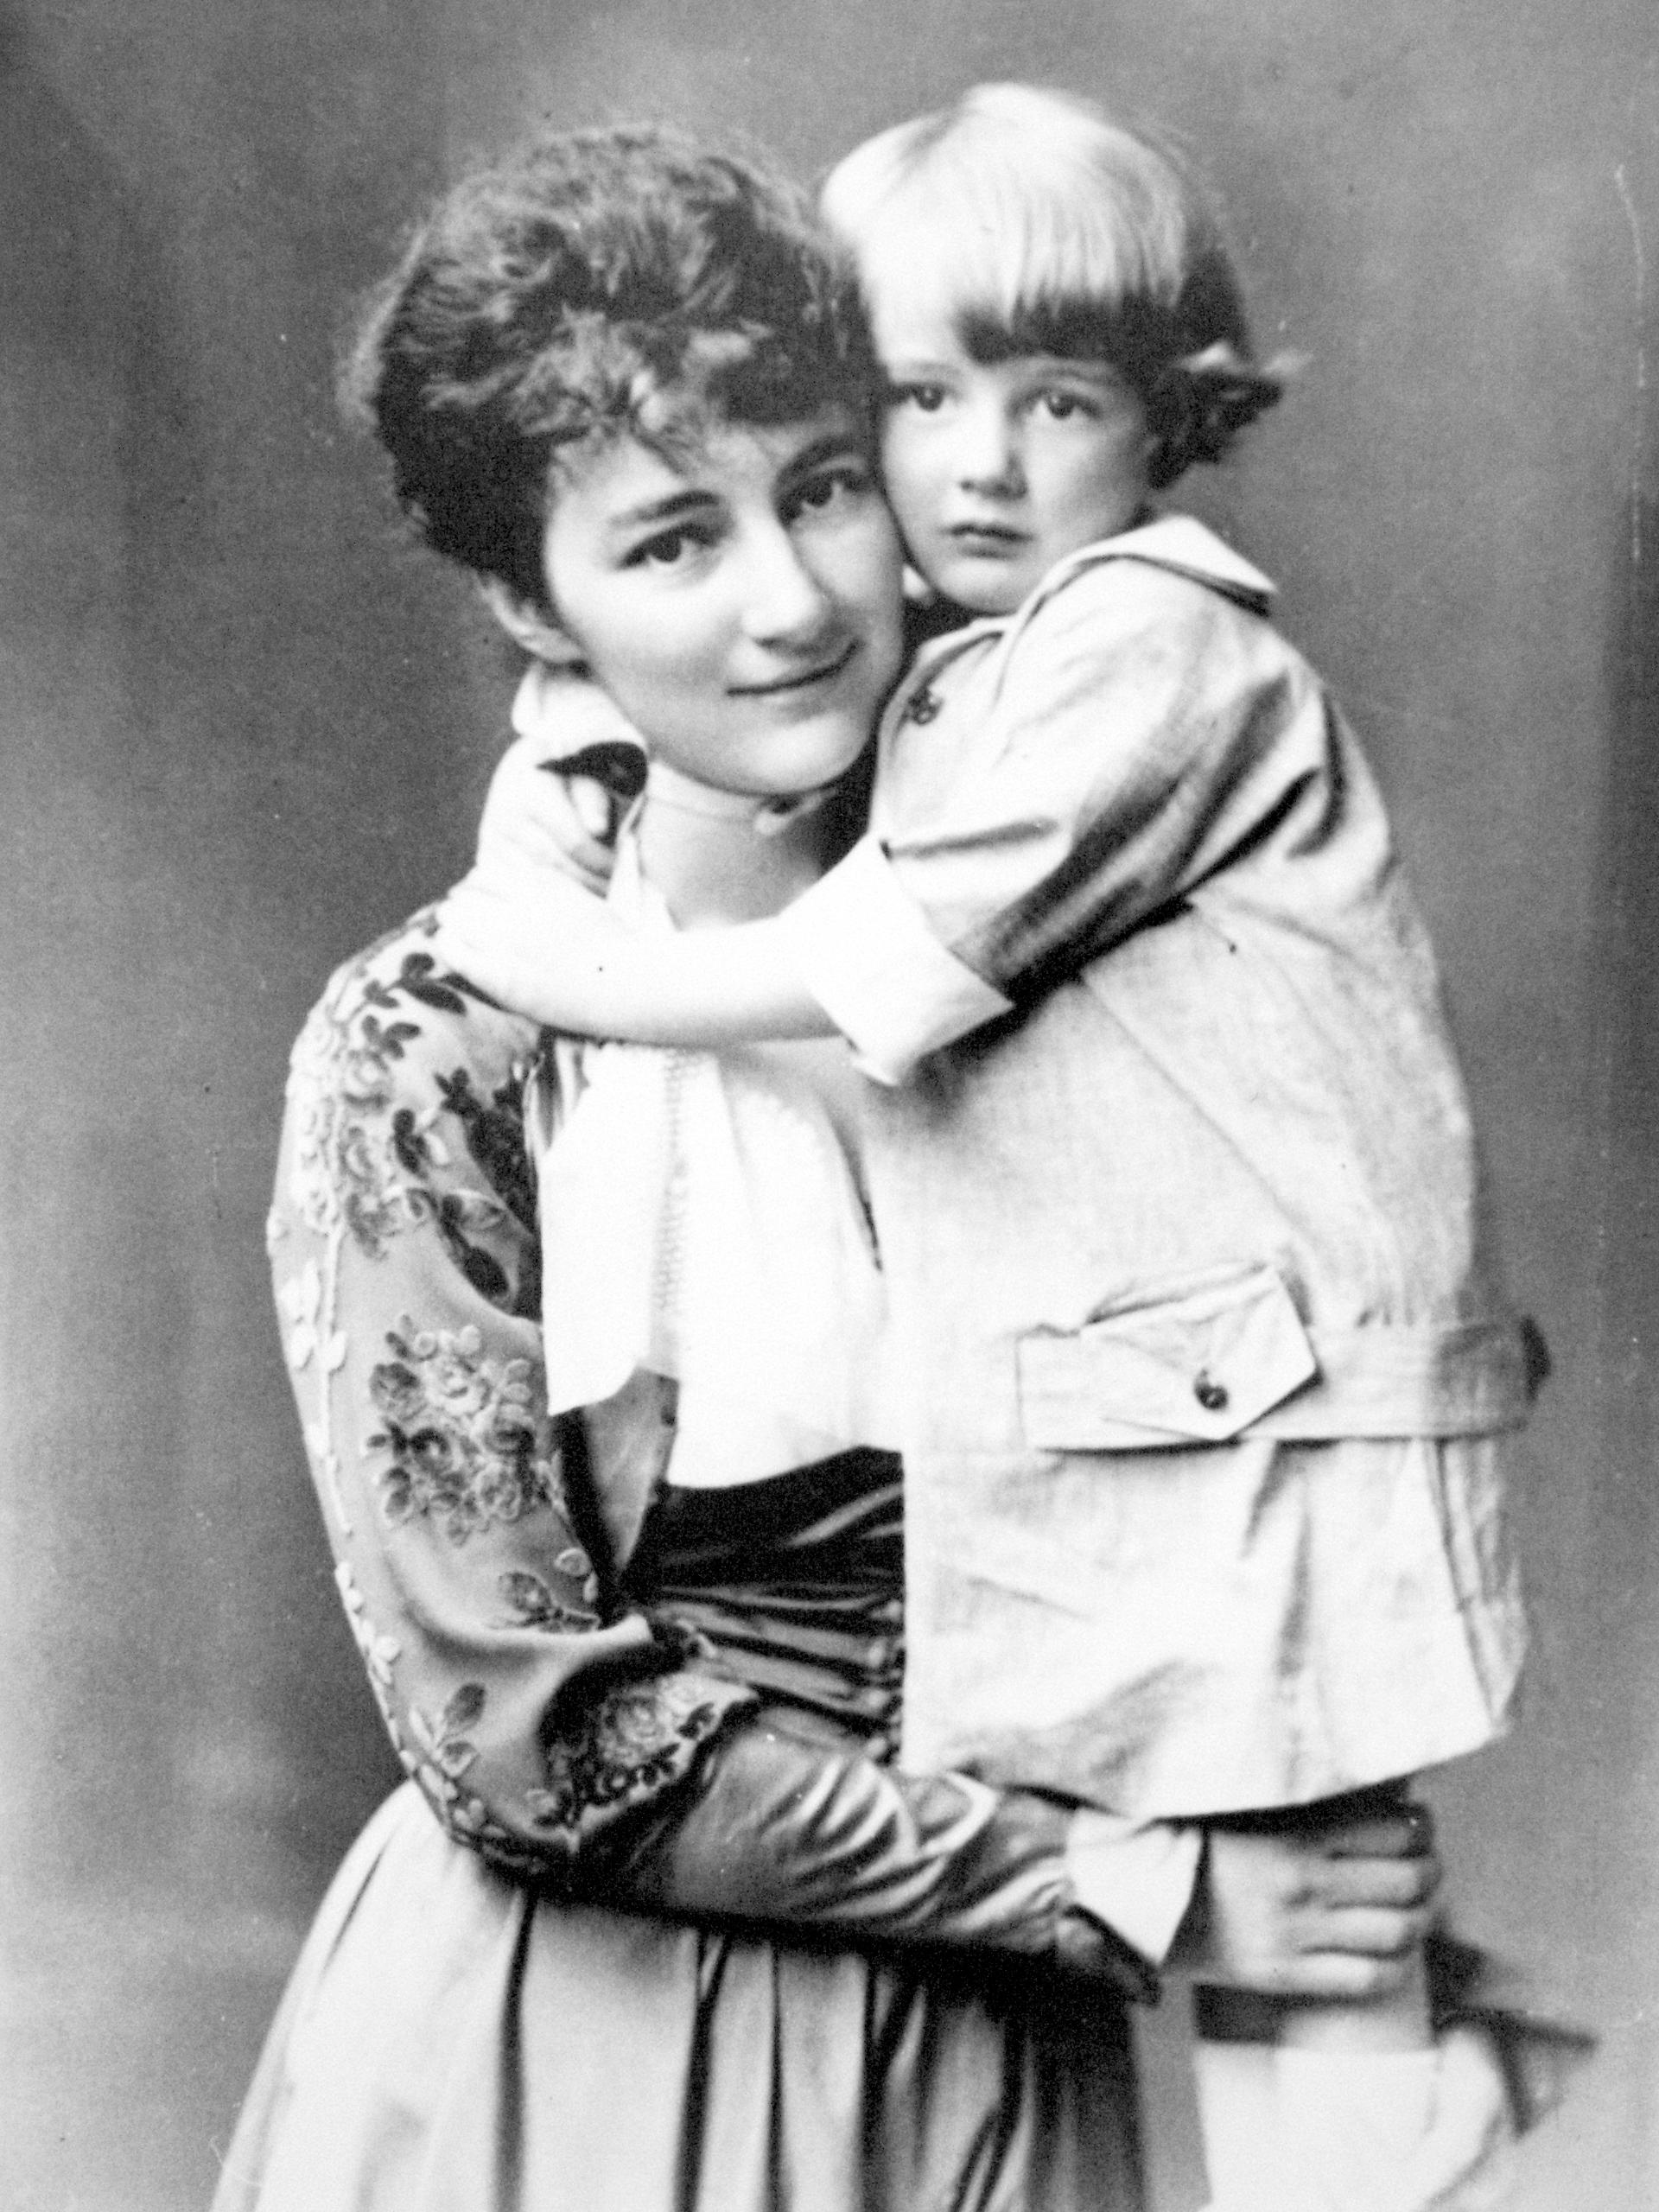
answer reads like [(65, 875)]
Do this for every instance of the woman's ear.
[(528, 625)]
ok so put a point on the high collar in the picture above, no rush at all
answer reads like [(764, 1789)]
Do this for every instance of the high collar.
[(767, 817)]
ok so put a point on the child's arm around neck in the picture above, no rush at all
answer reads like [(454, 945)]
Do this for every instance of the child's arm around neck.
[(526, 924), (547, 949), (855, 958), (554, 952)]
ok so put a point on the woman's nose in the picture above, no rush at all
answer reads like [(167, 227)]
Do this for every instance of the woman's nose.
[(785, 602)]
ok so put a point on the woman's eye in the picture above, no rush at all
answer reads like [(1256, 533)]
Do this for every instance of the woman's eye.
[(926, 398), (819, 494), (668, 549), (1061, 406)]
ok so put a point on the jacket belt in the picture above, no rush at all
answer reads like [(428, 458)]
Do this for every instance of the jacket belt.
[(1473, 1380), (1237, 1362)]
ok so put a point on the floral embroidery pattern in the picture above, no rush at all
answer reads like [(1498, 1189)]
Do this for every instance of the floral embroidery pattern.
[(381, 1143), (495, 1132), (633, 1740), (461, 1433), (444, 1740), (533, 1604), (304, 1303), (362, 1161), (445, 1751), (365, 1166), (378, 1653)]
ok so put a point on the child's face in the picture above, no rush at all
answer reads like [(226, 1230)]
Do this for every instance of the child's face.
[(998, 469), (741, 604)]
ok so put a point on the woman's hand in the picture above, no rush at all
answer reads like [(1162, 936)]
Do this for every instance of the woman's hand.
[(1335, 1912)]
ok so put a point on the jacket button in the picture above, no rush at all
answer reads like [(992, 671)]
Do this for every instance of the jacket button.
[(1210, 1394), (924, 707)]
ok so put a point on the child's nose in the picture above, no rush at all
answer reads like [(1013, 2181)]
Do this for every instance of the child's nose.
[(988, 456)]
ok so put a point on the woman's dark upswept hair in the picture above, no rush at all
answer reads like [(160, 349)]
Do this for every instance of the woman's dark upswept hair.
[(602, 283)]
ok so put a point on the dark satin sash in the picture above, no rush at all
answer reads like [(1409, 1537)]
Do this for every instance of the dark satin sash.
[(798, 1582)]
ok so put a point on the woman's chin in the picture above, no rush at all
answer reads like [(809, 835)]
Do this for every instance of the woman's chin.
[(805, 760)]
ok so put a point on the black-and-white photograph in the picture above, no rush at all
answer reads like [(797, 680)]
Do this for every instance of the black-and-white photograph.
[(831, 1247)]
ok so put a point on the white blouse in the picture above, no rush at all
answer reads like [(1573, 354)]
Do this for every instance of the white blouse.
[(702, 1215)]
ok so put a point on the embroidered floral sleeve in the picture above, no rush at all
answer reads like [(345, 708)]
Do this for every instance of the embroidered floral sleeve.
[(546, 1720), (476, 1582)]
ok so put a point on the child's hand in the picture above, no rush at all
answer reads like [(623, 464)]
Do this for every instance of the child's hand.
[(540, 820), (1334, 1913), (531, 942)]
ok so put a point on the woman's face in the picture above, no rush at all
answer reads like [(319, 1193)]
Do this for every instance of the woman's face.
[(740, 603)]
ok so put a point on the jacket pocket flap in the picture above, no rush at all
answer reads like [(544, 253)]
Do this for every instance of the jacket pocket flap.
[(1195, 1360)]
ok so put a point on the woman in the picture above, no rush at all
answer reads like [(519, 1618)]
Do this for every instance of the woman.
[(614, 361)]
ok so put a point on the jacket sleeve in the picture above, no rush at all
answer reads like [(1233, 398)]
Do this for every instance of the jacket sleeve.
[(1144, 731), (558, 1729)]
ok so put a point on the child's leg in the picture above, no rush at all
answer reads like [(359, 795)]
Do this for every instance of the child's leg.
[(1312, 2107)]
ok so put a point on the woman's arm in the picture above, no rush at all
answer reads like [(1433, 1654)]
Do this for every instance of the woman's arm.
[(552, 1728), (551, 1724), (407, 1275), (785, 1832)]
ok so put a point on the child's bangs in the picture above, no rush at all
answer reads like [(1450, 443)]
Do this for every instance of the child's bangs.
[(1026, 259)]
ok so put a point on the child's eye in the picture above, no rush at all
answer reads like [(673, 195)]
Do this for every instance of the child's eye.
[(1061, 406), (831, 488), (926, 398)]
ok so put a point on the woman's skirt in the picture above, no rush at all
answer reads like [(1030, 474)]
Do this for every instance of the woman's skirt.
[(454, 2041)]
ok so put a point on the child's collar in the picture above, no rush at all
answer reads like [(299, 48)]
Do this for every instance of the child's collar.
[(1183, 543), (1178, 543)]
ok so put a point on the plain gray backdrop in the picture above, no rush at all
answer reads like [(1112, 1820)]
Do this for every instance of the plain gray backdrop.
[(246, 728)]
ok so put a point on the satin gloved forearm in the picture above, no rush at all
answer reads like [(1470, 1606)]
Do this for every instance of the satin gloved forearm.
[(781, 1832)]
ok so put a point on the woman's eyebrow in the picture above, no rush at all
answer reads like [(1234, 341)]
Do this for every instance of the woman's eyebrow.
[(670, 506), (833, 445)]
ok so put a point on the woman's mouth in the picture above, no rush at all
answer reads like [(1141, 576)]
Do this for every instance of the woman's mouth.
[(807, 679)]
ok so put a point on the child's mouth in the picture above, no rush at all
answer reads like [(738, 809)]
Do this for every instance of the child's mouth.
[(985, 537)]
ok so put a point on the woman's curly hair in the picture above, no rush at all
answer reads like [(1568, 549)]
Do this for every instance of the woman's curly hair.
[(603, 283)]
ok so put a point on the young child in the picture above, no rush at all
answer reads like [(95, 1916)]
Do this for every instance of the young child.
[(1204, 1358)]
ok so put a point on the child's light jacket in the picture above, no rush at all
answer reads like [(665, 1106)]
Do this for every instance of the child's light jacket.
[(1188, 1263)]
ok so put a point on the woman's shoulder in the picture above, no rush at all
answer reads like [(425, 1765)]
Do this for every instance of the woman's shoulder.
[(397, 1016), (405, 1106)]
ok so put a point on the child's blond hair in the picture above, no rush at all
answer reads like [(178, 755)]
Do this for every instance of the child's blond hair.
[(1048, 228)]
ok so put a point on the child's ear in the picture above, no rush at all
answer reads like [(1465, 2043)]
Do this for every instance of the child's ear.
[(529, 626)]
